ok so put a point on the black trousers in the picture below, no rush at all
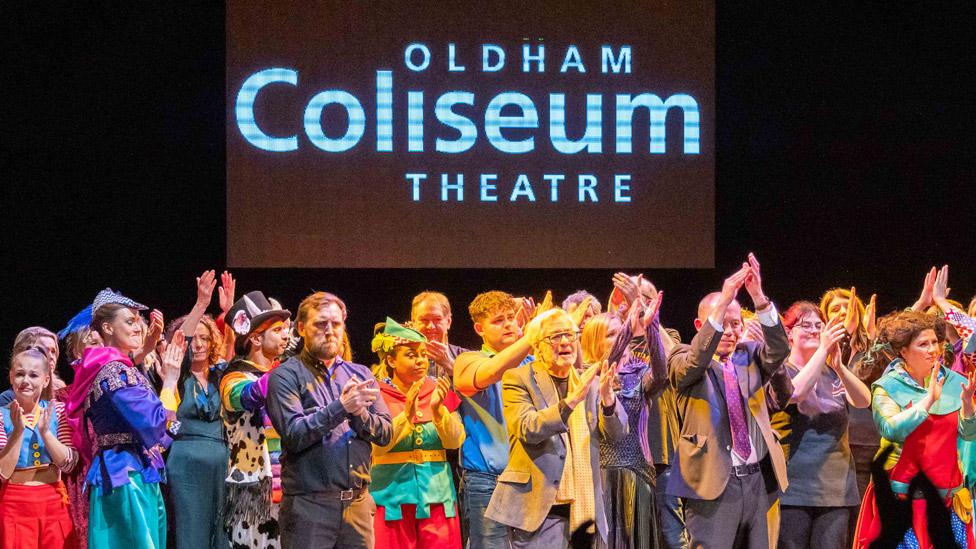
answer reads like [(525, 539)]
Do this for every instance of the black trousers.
[(323, 521), (736, 519)]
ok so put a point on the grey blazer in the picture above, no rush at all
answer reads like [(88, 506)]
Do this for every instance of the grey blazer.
[(704, 461), (527, 487)]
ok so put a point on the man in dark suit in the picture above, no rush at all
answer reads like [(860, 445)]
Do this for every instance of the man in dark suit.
[(729, 464)]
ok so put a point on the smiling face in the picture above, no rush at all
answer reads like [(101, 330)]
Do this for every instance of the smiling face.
[(805, 333), (322, 331), (837, 307), (430, 319), (124, 331), (29, 375), (408, 362), (922, 353), (559, 346)]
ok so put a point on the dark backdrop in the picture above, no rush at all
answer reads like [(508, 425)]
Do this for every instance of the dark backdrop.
[(844, 156)]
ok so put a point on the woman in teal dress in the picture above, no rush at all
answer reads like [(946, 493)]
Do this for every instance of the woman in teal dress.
[(198, 457)]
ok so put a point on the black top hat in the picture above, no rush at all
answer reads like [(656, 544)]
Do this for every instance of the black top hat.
[(250, 312)]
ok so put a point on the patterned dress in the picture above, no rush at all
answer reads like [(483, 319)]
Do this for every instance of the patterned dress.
[(251, 510)]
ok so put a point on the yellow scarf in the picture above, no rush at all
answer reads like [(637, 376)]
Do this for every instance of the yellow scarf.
[(576, 484)]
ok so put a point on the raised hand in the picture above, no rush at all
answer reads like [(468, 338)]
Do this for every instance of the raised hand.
[(545, 305), (754, 330), (578, 393), (753, 281), (410, 410), (206, 283), (525, 311), (730, 288), (851, 319), (441, 390), (925, 298), (629, 287), (607, 375), (579, 313), (225, 294), (870, 318), (940, 288)]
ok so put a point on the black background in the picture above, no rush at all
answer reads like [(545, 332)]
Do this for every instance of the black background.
[(844, 155)]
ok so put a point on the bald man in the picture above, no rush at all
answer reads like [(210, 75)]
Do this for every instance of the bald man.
[(729, 466)]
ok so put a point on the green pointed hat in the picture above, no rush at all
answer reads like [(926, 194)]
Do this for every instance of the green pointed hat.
[(394, 334)]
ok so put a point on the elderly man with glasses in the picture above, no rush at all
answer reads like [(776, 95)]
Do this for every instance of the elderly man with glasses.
[(556, 418)]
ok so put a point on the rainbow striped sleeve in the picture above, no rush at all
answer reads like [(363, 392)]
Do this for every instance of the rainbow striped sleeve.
[(236, 390)]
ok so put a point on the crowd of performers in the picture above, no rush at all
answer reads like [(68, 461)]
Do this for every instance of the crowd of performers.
[(257, 429)]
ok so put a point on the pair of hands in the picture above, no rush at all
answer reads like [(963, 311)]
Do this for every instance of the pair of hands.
[(852, 320), (357, 396), (441, 389), (206, 283), (935, 289), (528, 310), (750, 276), (42, 422), (602, 372)]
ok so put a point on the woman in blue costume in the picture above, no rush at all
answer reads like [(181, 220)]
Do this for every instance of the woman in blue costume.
[(119, 426)]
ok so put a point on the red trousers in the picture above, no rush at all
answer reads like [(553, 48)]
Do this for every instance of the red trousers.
[(411, 532), (35, 517)]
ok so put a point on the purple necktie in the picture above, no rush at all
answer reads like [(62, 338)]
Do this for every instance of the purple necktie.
[(737, 415)]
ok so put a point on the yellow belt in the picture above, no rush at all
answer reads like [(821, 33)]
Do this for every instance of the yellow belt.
[(962, 504), (413, 456)]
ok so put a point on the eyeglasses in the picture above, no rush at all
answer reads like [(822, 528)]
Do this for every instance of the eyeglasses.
[(811, 326), (563, 336)]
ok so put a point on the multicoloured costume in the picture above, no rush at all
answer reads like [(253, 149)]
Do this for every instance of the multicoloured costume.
[(411, 478), (412, 482), (251, 510), (111, 398), (935, 443), (36, 515)]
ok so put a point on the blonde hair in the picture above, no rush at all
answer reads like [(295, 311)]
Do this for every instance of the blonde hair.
[(593, 342), (859, 340), (316, 301), (47, 393)]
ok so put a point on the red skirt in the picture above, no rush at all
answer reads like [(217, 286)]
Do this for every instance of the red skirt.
[(869, 523), (35, 517)]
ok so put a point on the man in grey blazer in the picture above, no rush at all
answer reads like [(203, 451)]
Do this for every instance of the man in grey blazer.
[(729, 465), (556, 418)]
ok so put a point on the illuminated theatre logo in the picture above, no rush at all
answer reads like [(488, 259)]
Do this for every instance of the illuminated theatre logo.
[(417, 58)]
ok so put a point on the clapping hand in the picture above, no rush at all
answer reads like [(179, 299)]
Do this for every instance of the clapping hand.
[(830, 337), (578, 393), (43, 422), (171, 360), (870, 318), (928, 286), (968, 390), (441, 390), (438, 352), (607, 375), (629, 287), (17, 417), (579, 313), (357, 396), (410, 409), (753, 282), (851, 319)]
